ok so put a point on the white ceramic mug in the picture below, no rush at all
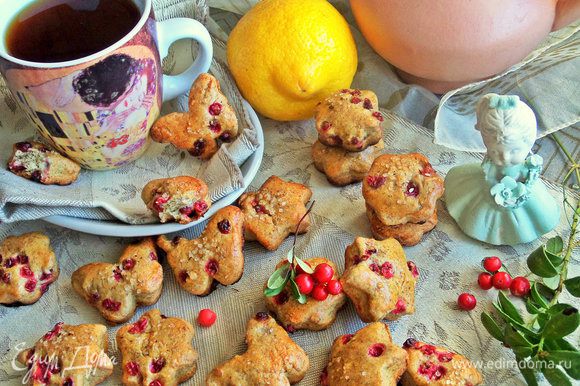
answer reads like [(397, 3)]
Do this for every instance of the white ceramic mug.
[(107, 130)]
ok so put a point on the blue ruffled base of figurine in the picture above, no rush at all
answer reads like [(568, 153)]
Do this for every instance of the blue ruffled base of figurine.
[(478, 214)]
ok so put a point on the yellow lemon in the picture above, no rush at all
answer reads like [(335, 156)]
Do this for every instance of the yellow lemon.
[(288, 55)]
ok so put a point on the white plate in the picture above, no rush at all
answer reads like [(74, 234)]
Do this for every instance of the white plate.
[(119, 229)]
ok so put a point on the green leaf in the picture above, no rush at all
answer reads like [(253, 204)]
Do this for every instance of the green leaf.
[(279, 277), (563, 344), (556, 260), (290, 255), (546, 292), (273, 292), (538, 298), (491, 326), (539, 263), (522, 352), (515, 339), (518, 326), (573, 286), (509, 307), (296, 292), (552, 282), (555, 376), (555, 245), (561, 324), (568, 360), (529, 376), (532, 308), (557, 308), (305, 267)]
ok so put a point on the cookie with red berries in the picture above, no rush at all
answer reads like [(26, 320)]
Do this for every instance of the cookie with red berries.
[(27, 267), (156, 350), (434, 365), (401, 193), (69, 355), (116, 290), (343, 167), (272, 358), (182, 199), (210, 119), (323, 298), (349, 119), (215, 256), (379, 280), (274, 211), (367, 357), (36, 162)]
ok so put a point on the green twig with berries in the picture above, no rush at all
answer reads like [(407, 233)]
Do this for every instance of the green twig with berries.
[(538, 338)]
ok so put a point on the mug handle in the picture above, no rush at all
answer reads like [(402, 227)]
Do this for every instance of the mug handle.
[(171, 30)]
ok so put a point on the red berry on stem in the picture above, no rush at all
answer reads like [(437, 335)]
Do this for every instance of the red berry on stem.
[(466, 301), (520, 286), (305, 283), (319, 293), (206, 317), (323, 273), (492, 264), (502, 280), (334, 287), (485, 280)]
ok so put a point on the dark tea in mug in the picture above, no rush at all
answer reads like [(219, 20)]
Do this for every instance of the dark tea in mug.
[(51, 31)]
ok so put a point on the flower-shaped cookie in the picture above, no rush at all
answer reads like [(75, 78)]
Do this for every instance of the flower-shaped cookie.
[(27, 267), (314, 314), (215, 256), (368, 357), (182, 199), (210, 118), (378, 279), (349, 119), (117, 289), (342, 167), (274, 211), (402, 188), (272, 358), (70, 356), (434, 365), (157, 351)]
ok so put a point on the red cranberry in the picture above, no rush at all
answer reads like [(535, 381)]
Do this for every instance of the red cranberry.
[(501, 280), (26, 272), (183, 276), (198, 147), (428, 349), (206, 317), (215, 108), (319, 293), (378, 115), (157, 364), (10, 262), (377, 349), (226, 137), (281, 298), (334, 287), (128, 264), (370, 252), (156, 382), (30, 285), (344, 91), (485, 281), (23, 146), (336, 140), (427, 170), (412, 189), (466, 301), (41, 373), (54, 368), (367, 104), (376, 182), (410, 342), (290, 329), (45, 276), (117, 274), (432, 371), (445, 356), (211, 267), (132, 368), (346, 338), (356, 142), (520, 286), (159, 202), (355, 92), (400, 307), (5, 276), (325, 126), (323, 273), (36, 176), (375, 268), (215, 126), (492, 264), (44, 287), (186, 210), (200, 207), (261, 316), (111, 305), (139, 326), (22, 259), (413, 268), (305, 283), (355, 100), (68, 382), (95, 297), (153, 256), (16, 167), (259, 208), (224, 226), (324, 377), (54, 332), (176, 240), (387, 270)]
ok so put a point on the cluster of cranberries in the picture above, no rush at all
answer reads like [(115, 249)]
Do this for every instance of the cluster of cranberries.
[(493, 277), (25, 272), (318, 284)]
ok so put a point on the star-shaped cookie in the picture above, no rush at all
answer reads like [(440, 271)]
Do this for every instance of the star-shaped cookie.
[(156, 350), (27, 267), (368, 357), (274, 211), (215, 255), (210, 117), (378, 279), (117, 289), (69, 355), (272, 358)]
